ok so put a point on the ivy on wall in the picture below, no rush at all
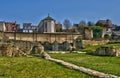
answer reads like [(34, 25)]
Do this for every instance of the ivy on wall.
[(97, 31)]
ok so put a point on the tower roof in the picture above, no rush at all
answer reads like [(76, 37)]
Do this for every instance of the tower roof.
[(48, 18)]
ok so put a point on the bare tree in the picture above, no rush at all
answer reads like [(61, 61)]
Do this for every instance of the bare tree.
[(90, 23), (67, 24), (82, 24)]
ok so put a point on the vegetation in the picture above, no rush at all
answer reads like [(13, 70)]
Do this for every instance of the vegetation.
[(90, 48), (99, 23), (67, 24), (104, 64), (33, 67), (106, 36), (90, 23), (97, 31), (82, 24)]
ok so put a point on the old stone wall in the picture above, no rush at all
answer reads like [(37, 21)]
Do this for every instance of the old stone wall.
[(88, 34), (45, 37), (86, 43), (10, 50), (107, 51)]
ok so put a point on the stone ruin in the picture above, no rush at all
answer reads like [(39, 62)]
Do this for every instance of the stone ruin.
[(10, 50), (107, 51), (37, 49), (13, 50)]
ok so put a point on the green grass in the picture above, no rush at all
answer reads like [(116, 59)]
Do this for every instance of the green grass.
[(92, 48), (104, 64), (34, 67)]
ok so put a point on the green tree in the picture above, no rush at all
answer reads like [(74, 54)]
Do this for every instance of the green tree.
[(97, 31), (99, 23)]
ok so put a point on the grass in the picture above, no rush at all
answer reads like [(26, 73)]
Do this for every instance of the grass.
[(34, 67), (92, 48), (104, 64)]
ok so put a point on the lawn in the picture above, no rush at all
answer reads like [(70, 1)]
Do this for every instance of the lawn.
[(34, 67), (104, 64)]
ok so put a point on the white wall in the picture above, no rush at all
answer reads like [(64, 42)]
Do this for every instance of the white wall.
[(2, 26), (50, 26)]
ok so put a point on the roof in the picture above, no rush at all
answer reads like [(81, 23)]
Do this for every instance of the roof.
[(48, 18), (116, 33)]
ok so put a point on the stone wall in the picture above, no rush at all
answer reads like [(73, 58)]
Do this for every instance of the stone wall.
[(93, 42), (26, 46), (45, 37), (107, 51), (88, 34)]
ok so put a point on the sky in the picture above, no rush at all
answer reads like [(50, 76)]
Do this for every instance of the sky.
[(34, 11)]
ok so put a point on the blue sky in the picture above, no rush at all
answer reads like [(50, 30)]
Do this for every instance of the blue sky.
[(75, 10)]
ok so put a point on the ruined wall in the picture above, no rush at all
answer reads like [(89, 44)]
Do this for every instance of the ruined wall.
[(88, 34), (107, 51), (93, 42)]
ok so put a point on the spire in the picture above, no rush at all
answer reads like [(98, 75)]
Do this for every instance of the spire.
[(48, 17), (48, 14)]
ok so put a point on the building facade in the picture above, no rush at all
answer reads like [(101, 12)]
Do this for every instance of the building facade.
[(10, 26), (47, 25), (58, 27), (28, 28)]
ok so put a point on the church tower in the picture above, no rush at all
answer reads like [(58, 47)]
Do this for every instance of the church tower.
[(47, 25)]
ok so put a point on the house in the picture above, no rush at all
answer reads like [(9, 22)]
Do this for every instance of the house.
[(10, 26), (47, 25), (29, 28), (116, 33), (58, 27), (108, 26)]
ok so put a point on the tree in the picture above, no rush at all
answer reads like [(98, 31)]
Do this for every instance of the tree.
[(81, 26), (74, 29), (97, 31), (90, 23), (82, 23), (67, 24), (99, 23)]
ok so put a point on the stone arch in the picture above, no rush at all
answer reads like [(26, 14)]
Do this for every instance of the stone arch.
[(37, 49)]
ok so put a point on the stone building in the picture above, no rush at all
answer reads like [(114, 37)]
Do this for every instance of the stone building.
[(108, 26), (116, 33), (47, 25)]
